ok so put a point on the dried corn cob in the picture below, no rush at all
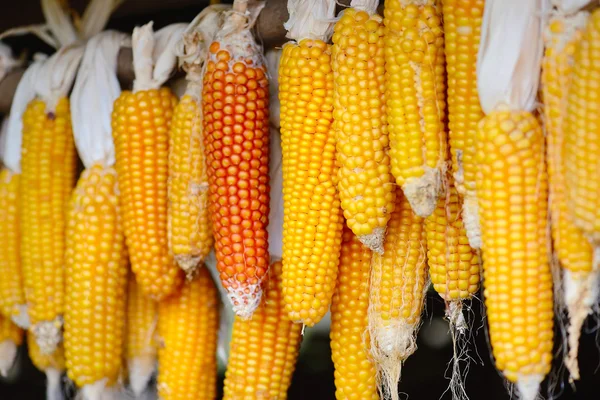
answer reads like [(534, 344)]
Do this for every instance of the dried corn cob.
[(355, 373), (397, 292), (236, 135), (512, 193), (140, 345), (264, 349), (11, 337), (366, 192), (12, 298), (48, 173), (141, 121), (188, 325), (462, 30), (573, 250), (415, 95), (52, 365), (312, 229)]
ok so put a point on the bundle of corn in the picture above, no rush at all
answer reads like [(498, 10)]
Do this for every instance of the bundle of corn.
[(52, 365), (415, 95), (312, 229), (511, 185), (365, 182), (190, 231), (462, 30), (140, 344), (268, 343), (397, 292), (355, 373), (11, 337), (188, 324), (235, 105), (582, 181), (96, 258)]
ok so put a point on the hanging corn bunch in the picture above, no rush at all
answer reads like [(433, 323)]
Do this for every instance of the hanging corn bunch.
[(397, 292), (141, 120), (415, 95), (190, 231), (365, 182), (235, 107), (580, 154), (312, 229), (512, 187), (462, 31), (96, 257)]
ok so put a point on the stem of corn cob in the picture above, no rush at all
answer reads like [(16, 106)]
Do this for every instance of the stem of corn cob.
[(236, 137), (11, 336), (52, 365), (574, 252)]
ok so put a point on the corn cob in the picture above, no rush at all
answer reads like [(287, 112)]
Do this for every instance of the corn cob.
[(48, 169), (453, 264), (366, 192), (11, 337), (236, 134), (52, 365), (397, 293), (415, 95), (573, 250), (263, 350), (312, 228), (355, 373), (140, 124), (140, 345), (512, 194), (96, 269), (462, 31), (12, 298), (188, 325)]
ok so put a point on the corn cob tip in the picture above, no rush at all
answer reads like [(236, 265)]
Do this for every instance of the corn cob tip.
[(529, 386), (581, 291), (8, 353), (99, 391), (471, 220), (53, 386), (188, 264), (455, 316), (422, 193), (140, 369), (244, 299), (374, 240), (395, 340), (48, 334), (21, 319)]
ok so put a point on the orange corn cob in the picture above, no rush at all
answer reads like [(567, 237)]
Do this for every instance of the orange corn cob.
[(188, 325), (140, 123), (12, 298), (355, 373), (47, 177), (263, 350), (236, 134)]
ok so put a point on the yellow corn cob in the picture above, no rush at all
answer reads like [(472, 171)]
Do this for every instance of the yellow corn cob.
[(312, 229), (190, 233), (141, 347), (397, 293), (512, 194), (140, 123), (12, 298), (52, 365), (415, 94), (572, 248), (11, 336), (48, 169), (355, 374), (366, 192), (96, 280), (263, 350), (453, 264), (188, 325)]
